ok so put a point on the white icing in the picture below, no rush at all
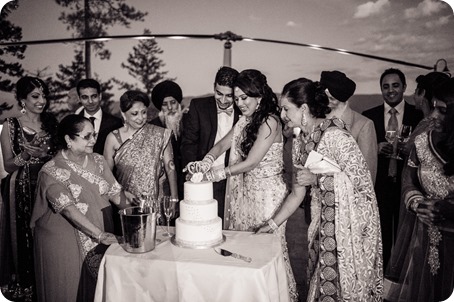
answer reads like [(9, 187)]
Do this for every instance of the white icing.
[(198, 224), (198, 233), (198, 211), (198, 191)]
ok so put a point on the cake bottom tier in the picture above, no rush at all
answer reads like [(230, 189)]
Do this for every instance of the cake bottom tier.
[(199, 234)]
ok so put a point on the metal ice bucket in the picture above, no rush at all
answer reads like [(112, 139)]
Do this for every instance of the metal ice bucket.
[(139, 229)]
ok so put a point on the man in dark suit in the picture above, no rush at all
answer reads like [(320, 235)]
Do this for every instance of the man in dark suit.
[(89, 92), (391, 115), (208, 120)]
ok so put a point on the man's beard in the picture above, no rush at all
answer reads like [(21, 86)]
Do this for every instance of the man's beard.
[(171, 120)]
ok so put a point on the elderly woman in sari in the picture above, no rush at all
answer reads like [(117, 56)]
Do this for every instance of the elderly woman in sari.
[(255, 185), (140, 154), (72, 216), (422, 266), (344, 235)]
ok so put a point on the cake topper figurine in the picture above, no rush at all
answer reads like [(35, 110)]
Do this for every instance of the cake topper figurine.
[(197, 177)]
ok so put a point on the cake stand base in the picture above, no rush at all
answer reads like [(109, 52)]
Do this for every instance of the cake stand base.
[(197, 247)]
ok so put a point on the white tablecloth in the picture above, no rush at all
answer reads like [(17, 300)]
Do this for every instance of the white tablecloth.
[(172, 273)]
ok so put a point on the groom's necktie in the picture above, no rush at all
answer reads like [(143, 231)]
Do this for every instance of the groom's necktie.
[(228, 111)]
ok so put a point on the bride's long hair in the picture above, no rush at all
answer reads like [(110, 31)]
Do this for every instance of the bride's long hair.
[(254, 84)]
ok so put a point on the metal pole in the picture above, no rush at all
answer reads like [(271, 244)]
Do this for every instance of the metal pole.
[(228, 54)]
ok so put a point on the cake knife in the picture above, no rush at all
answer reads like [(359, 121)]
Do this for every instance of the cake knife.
[(227, 253)]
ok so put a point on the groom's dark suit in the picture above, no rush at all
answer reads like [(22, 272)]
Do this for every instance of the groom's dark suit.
[(108, 124), (200, 126), (387, 191)]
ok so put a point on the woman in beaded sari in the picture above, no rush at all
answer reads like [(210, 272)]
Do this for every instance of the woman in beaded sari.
[(139, 153), (345, 261), (72, 217), (26, 144), (422, 266), (255, 184), (432, 109)]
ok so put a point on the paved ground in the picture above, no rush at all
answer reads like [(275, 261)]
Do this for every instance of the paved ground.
[(297, 245)]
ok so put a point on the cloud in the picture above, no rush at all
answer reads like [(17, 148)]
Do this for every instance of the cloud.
[(254, 18), (439, 22), (424, 9), (292, 24), (371, 8)]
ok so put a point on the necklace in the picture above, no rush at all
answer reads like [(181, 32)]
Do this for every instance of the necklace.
[(84, 165), (307, 136)]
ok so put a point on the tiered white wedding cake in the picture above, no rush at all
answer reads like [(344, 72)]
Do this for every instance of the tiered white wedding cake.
[(198, 225)]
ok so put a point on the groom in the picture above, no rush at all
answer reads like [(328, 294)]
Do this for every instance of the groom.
[(209, 119)]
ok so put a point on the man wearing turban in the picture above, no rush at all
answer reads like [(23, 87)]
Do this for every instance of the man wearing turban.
[(339, 88), (166, 97)]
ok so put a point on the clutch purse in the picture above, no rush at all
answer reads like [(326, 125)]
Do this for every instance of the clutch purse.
[(319, 164)]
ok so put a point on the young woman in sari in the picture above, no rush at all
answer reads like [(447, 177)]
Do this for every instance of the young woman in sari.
[(72, 217), (422, 266), (140, 153), (432, 109), (345, 261), (26, 144), (255, 185)]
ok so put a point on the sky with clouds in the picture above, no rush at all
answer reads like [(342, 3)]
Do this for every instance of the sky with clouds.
[(417, 31)]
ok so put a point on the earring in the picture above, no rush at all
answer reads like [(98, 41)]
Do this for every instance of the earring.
[(23, 111), (69, 146), (303, 120)]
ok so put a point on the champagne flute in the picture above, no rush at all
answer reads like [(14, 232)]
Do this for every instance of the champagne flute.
[(404, 136), (168, 205), (390, 137), (405, 132)]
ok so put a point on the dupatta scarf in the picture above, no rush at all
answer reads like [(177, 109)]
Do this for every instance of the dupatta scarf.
[(345, 251)]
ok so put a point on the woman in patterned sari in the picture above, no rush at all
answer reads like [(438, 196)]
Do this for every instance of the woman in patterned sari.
[(139, 153), (255, 185), (72, 217), (345, 261), (422, 263), (26, 144)]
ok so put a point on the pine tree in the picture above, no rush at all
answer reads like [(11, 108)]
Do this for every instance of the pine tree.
[(66, 79), (144, 65), (13, 33), (93, 19)]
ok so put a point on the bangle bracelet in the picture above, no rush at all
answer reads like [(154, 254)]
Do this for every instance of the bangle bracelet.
[(19, 160), (415, 204), (209, 175), (174, 200), (272, 224), (209, 158), (99, 236), (227, 172)]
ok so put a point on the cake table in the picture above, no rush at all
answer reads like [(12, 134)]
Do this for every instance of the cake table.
[(171, 273)]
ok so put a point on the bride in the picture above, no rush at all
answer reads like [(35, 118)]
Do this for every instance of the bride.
[(255, 183)]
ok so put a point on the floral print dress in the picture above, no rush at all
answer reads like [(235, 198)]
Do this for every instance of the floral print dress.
[(67, 260)]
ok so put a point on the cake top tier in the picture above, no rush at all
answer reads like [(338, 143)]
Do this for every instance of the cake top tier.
[(199, 191)]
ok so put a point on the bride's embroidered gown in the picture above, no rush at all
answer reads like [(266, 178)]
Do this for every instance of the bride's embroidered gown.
[(256, 195)]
